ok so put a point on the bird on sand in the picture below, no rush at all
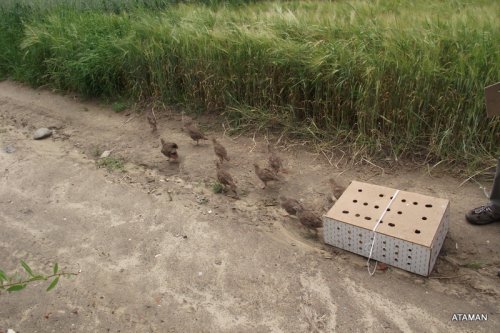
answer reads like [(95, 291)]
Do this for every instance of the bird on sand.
[(194, 132), (220, 151), (265, 174), (289, 204), (225, 178), (152, 122), (309, 219), (336, 189), (275, 162), (169, 149)]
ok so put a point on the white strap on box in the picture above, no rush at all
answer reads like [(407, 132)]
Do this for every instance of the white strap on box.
[(374, 231)]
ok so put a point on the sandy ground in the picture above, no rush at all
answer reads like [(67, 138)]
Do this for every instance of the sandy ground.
[(159, 252)]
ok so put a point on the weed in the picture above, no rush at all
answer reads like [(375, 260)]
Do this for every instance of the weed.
[(217, 187), (119, 106), (111, 164)]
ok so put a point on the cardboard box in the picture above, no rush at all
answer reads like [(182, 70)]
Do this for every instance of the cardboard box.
[(409, 236)]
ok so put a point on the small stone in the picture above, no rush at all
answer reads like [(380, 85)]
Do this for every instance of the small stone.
[(106, 153), (381, 266), (418, 281), (218, 262), (10, 149), (42, 133), (292, 244)]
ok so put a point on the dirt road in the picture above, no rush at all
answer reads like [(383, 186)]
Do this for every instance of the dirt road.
[(160, 252)]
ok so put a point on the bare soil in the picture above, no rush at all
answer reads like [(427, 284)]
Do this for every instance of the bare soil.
[(160, 252)]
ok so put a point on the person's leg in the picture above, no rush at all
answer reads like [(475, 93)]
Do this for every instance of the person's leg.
[(491, 212), (495, 191)]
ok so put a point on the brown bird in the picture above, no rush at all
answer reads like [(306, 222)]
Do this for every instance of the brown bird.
[(152, 122), (220, 151), (309, 219), (169, 149), (194, 132), (225, 178), (289, 205), (265, 174), (275, 161), (336, 189)]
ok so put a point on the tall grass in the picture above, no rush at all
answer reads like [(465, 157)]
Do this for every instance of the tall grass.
[(388, 77)]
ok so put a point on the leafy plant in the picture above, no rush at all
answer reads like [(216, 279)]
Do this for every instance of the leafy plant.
[(119, 106), (14, 283), (111, 163), (217, 187)]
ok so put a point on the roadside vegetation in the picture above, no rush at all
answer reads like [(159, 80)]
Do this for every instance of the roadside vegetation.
[(385, 78)]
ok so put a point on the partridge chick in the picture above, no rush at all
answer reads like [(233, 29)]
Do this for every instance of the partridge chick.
[(275, 161), (220, 151), (289, 205), (152, 122), (169, 149), (265, 174), (336, 189), (309, 219), (225, 178), (194, 132)]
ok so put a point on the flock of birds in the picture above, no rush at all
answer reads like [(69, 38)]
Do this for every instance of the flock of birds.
[(307, 217)]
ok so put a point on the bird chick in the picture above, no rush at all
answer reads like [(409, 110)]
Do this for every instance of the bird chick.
[(225, 178), (275, 161), (265, 174), (194, 132), (152, 122), (336, 189), (309, 219), (289, 204), (220, 151), (169, 149)]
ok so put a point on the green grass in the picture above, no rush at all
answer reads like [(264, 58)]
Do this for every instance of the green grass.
[(384, 78), (119, 106), (111, 164), (217, 187)]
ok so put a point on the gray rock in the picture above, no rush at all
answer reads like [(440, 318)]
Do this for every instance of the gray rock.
[(106, 153), (10, 149), (42, 133)]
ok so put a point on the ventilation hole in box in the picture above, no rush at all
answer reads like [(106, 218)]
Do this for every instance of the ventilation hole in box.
[(388, 209), (345, 211), (428, 205), (409, 264), (360, 190), (381, 221), (349, 245), (400, 212), (409, 257), (368, 218), (338, 228), (381, 195), (348, 231), (384, 249), (417, 231), (383, 255), (415, 203), (360, 235), (349, 238), (383, 242), (355, 201), (360, 242), (397, 246), (360, 248), (390, 197), (357, 215), (396, 259), (403, 200), (409, 250), (424, 218), (392, 225), (376, 206), (396, 253), (365, 203)]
